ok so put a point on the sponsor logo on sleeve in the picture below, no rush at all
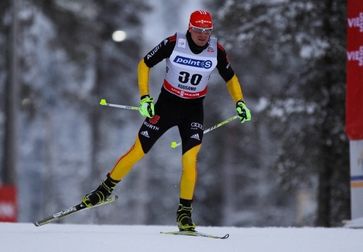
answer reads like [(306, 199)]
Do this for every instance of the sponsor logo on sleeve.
[(153, 51)]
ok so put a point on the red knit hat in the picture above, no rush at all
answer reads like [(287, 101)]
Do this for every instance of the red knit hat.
[(201, 19)]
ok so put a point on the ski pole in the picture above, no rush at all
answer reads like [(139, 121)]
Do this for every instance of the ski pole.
[(103, 102), (175, 144)]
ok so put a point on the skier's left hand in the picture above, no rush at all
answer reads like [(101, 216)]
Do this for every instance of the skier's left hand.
[(243, 112)]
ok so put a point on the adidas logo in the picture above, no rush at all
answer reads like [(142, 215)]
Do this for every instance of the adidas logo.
[(145, 133), (195, 136)]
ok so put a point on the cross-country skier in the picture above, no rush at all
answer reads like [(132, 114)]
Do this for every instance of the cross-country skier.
[(190, 59)]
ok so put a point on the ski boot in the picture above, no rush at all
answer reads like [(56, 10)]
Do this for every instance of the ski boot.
[(184, 218), (101, 193)]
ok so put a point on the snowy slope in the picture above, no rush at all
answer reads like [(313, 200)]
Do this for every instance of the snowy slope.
[(23, 237)]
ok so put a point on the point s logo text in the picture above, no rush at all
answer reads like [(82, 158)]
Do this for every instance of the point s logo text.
[(193, 62)]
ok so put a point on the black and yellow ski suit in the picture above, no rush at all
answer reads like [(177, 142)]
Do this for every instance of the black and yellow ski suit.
[(172, 110)]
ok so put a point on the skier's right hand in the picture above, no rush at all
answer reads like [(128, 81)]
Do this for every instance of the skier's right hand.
[(146, 107)]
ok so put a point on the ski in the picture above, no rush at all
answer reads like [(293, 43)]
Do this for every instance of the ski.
[(66, 212), (196, 233)]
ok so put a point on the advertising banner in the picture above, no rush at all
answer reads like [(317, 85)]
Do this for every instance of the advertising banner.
[(354, 103), (8, 206), (354, 93)]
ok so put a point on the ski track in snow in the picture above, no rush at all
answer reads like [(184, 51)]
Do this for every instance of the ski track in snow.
[(25, 237)]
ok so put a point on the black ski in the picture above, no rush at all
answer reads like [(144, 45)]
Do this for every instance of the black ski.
[(66, 212), (196, 233)]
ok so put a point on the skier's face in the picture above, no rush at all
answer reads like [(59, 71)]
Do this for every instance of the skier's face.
[(200, 36)]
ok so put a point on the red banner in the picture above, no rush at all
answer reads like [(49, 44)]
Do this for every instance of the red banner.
[(354, 93), (8, 206)]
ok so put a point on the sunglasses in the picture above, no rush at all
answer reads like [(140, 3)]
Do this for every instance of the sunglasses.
[(202, 30)]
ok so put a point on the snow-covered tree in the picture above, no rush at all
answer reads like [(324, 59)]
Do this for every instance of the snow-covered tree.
[(291, 57)]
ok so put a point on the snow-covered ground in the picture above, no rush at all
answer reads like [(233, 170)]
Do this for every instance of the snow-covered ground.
[(25, 237)]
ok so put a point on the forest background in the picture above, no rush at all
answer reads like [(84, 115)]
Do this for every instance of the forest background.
[(287, 167)]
